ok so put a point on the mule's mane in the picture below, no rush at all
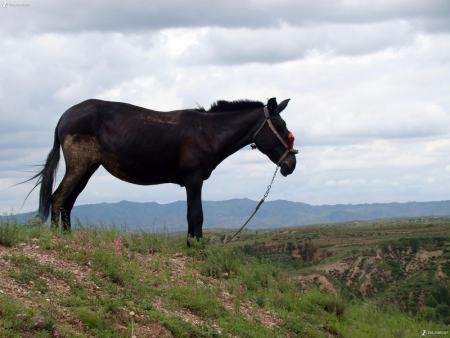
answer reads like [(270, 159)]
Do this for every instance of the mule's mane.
[(223, 106)]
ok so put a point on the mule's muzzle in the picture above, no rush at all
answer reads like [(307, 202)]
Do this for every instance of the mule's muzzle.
[(288, 165)]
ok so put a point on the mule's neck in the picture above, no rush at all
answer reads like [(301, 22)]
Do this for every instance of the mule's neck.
[(234, 130)]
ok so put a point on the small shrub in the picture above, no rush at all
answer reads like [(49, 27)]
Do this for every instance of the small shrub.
[(30, 270), (13, 315), (260, 300), (10, 234), (288, 301), (428, 313), (146, 243), (237, 326), (111, 266), (441, 294), (255, 275), (446, 267), (16, 318), (41, 285), (23, 261), (221, 262), (200, 301), (90, 318), (314, 300), (443, 310), (23, 276), (177, 326)]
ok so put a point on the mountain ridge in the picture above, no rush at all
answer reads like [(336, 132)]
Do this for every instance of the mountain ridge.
[(231, 213)]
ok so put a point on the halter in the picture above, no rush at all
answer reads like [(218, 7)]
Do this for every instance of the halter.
[(289, 148)]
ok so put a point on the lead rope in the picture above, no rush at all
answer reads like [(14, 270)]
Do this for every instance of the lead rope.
[(257, 207)]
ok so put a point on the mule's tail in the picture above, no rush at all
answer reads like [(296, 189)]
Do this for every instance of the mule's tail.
[(46, 177)]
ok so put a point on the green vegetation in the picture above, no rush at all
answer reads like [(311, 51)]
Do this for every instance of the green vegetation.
[(17, 319), (384, 279)]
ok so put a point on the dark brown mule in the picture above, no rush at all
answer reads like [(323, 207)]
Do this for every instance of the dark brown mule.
[(146, 147)]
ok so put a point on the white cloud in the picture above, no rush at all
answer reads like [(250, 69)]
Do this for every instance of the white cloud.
[(115, 15), (147, 92), (368, 84), (284, 43)]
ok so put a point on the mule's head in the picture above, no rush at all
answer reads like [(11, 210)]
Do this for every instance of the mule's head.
[(274, 139)]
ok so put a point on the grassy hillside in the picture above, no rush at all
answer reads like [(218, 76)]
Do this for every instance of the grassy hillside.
[(405, 262), (387, 279)]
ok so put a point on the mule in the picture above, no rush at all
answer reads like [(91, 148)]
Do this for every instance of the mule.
[(147, 147)]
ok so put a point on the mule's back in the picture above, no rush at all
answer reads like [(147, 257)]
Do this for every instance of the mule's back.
[(135, 144)]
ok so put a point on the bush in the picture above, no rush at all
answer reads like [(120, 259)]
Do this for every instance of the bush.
[(441, 295), (90, 319), (10, 234), (221, 262), (443, 311), (200, 301), (255, 275), (314, 300), (427, 313), (15, 317), (146, 243)]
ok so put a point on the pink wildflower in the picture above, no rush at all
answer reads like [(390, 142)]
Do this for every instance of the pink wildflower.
[(118, 246), (79, 324)]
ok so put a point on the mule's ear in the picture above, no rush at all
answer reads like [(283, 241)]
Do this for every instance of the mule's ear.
[(282, 105), (272, 106)]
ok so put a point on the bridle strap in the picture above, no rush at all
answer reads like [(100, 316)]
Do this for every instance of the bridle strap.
[(272, 127), (286, 153)]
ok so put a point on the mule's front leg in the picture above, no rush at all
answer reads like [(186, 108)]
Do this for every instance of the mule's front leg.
[(194, 207)]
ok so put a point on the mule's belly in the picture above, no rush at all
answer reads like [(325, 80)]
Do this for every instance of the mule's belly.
[(142, 172)]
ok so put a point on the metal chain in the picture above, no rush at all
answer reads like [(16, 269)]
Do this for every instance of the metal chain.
[(257, 206), (271, 182)]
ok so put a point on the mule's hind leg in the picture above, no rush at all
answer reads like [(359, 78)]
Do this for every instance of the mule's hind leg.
[(70, 201), (68, 183), (81, 155), (61, 198)]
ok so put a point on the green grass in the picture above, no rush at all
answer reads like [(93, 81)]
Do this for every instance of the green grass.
[(19, 320), (11, 234), (200, 301), (368, 320)]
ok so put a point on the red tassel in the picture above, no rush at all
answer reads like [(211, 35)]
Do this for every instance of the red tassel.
[(291, 140)]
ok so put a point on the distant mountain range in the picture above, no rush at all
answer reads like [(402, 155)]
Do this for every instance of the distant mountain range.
[(232, 213)]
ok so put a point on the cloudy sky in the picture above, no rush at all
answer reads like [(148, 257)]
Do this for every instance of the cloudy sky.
[(369, 83)]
